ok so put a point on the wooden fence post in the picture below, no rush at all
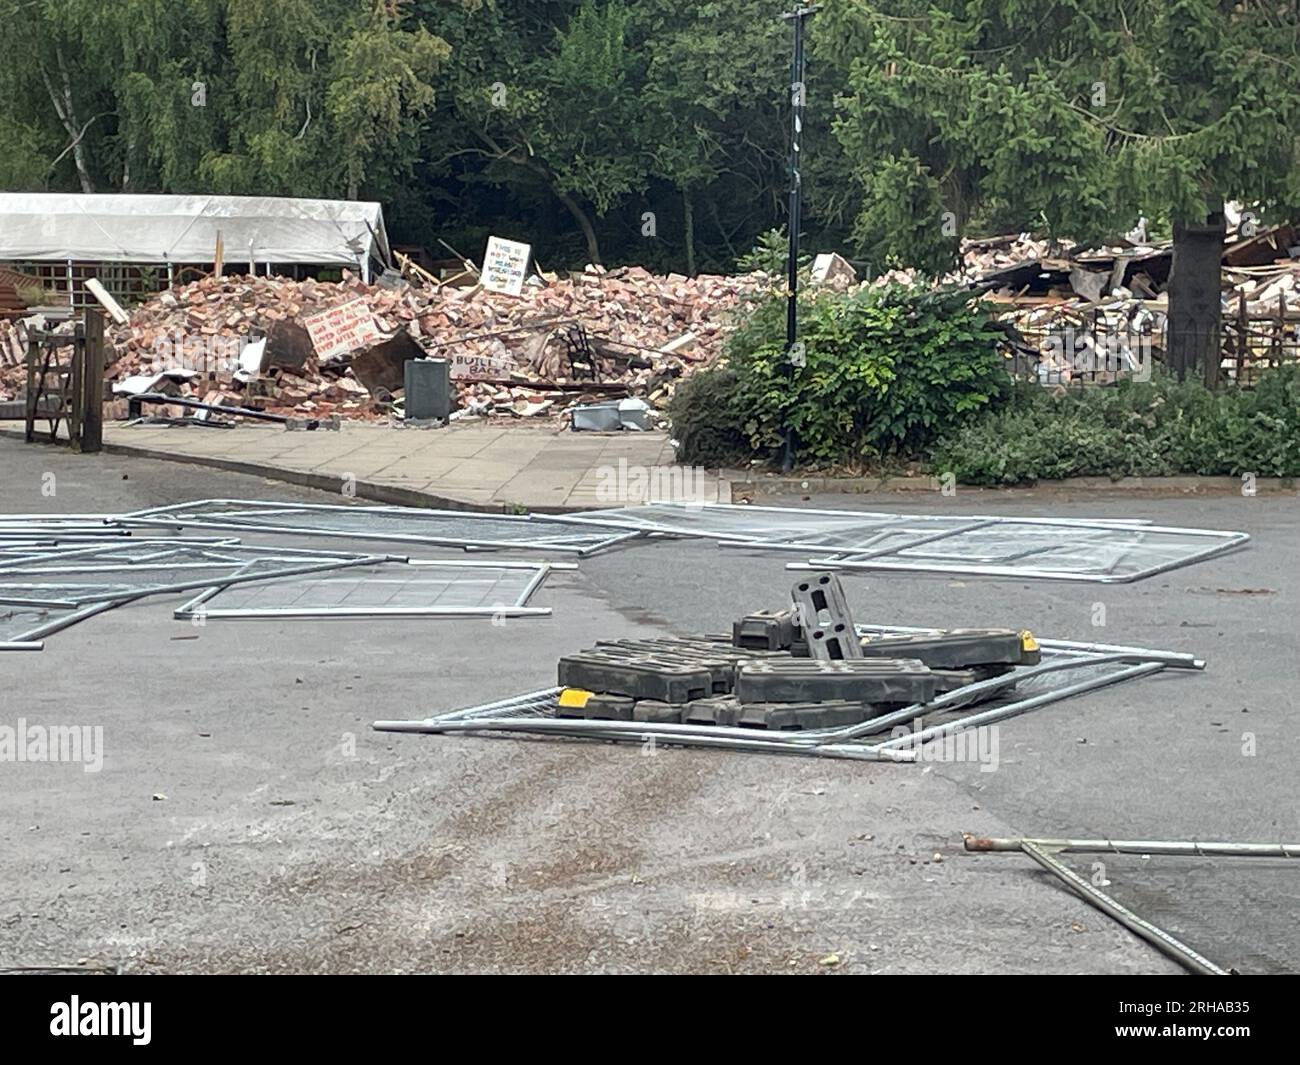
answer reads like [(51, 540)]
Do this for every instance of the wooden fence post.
[(33, 351), (72, 387), (92, 399)]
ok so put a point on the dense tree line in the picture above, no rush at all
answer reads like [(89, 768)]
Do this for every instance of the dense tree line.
[(651, 131), (656, 131)]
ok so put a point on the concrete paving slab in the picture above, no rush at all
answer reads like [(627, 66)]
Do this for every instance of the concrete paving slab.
[(479, 464)]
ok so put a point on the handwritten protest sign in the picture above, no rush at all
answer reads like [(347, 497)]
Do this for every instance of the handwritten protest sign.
[(505, 264), (342, 329), (481, 367)]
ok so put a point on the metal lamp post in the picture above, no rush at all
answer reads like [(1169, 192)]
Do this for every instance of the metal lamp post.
[(797, 99)]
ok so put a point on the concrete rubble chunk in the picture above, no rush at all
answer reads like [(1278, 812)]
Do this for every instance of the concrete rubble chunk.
[(382, 368)]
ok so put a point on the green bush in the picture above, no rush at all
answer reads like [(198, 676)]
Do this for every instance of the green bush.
[(1155, 428), (884, 372), (706, 423)]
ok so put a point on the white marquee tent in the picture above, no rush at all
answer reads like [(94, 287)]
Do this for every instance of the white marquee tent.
[(75, 227)]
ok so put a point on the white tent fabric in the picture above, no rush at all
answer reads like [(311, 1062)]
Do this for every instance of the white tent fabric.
[(183, 229)]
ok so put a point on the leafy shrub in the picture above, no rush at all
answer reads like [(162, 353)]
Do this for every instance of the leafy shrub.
[(1155, 428), (882, 372), (708, 428)]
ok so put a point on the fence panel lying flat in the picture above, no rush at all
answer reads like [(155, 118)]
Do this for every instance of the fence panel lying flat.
[(1065, 671), (415, 589), (1096, 550), (451, 528)]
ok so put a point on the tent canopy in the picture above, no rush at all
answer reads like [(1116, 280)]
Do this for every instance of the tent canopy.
[(55, 226)]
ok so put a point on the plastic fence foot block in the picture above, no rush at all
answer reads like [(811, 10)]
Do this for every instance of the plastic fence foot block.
[(954, 649), (711, 712), (639, 678), (806, 680), (606, 707), (825, 619), (719, 661), (792, 717), (764, 630), (946, 680), (651, 710)]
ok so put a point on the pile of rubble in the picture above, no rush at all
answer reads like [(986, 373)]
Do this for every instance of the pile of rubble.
[(1102, 312), (595, 335), (1074, 310)]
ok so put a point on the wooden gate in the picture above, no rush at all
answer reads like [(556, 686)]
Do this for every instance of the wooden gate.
[(65, 383)]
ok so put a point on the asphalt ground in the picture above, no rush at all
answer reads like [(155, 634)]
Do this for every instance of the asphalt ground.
[(246, 819)]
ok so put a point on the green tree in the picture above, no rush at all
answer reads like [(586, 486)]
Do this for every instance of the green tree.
[(305, 97), (551, 102), (711, 108), (957, 115)]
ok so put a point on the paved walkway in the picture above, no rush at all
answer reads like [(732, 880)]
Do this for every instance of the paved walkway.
[(540, 466), (480, 465)]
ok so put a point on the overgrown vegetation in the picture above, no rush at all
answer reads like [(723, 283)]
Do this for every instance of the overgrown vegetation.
[(881, 373), (1142, 429)]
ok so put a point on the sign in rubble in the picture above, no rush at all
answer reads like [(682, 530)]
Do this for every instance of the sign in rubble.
[(342, 329), (472, 366), (505, 264)]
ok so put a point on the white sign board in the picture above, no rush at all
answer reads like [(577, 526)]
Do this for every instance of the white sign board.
[(505, 265), (342, 329), (481, 367)]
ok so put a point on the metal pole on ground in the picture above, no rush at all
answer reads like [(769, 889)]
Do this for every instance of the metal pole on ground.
[(1157, 937)]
